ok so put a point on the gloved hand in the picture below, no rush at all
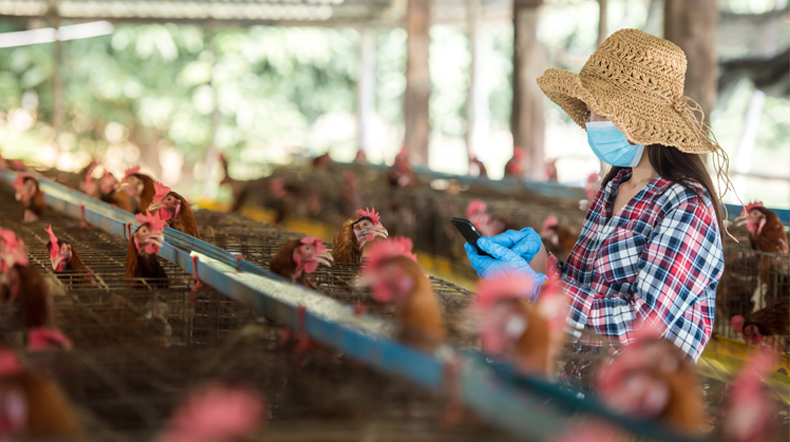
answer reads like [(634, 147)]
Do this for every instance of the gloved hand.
[(525, 242), (504, 260)]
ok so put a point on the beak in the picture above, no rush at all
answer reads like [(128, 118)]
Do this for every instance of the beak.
[(365, 280), (156, 238), (379, 231), (154, 206), (325, 259), (56, 262), (120, 186)]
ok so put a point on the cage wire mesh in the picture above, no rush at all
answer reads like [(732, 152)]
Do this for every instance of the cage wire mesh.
[(138, 351), (751, 280)]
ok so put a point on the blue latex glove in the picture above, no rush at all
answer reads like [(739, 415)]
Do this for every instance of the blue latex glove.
[(525, 242), (504, 261)]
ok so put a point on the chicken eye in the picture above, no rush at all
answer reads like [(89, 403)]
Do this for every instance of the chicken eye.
[(308, 249), (144, 231), (366, 224)]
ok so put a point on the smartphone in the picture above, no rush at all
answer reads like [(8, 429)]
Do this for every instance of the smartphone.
[(469, 232)]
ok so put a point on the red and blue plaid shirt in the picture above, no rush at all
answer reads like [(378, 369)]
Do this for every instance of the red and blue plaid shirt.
[(659, 256)]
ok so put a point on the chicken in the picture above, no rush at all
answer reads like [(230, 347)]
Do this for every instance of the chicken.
[(30, 197), (515, 165), (530, 335), (34, 406), (557, 239), (139, 187), (487, 224), (20, 282), (217, 413), (651, 379), (283, 199), (323, 162), (174, 210), (550, 170), (400, 174), (64, 258), (109, 193), (361, 157), (393, 275), (773, 320), (477, 168), (350, 239), (300, 257), (750, 411), (591, 189), (89, 186), (141, 259), (766, 234), (238, 189), (46, 338), (350, 197)]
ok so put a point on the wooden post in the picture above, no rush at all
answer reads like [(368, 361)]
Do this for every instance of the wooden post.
[(692, 25), (366, 86), (602, 15), (602, 34), (477, 100), (58, 94), (418, 81), (527, 122)]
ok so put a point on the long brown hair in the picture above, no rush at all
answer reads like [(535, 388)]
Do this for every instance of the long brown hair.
[(681, 168)]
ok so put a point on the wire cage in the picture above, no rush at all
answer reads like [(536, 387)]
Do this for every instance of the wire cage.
[(138, 351), (752, 281)]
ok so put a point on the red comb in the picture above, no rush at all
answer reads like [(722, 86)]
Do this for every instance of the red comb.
[(315, 242), (216, 413), (12, 249), (752, 205), (155, 222), (370, 213), (44, 338), (737, 323), (387, 249), (9, 363), (107, 173), (131, 171), (551, 221), (475, 207), (652, 328), (53, 252), (161, 191), (20, 180), (501, 287)]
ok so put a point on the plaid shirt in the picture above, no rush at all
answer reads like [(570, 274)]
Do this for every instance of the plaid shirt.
[(660, 255)]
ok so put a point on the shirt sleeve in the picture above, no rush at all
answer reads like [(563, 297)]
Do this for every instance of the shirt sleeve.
[(681, 261)]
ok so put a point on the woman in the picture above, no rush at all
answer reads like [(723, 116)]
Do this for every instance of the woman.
[(651, 243)]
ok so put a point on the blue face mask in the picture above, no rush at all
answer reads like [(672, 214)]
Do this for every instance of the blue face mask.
[(611, 145)]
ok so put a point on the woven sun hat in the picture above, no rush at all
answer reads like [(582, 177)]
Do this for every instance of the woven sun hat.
[(635, 80)]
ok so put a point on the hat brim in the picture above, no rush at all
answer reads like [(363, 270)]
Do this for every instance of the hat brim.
[(641, 119)]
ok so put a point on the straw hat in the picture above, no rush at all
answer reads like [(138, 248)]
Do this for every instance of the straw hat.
[(636, 80)]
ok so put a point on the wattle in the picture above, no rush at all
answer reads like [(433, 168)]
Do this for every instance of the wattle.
[(165, 214), (310, 266), (151, 249)]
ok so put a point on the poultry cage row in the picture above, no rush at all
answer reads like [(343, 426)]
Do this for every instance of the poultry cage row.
[(128, 371), (422, 213), (752, 279), (138, 351)]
